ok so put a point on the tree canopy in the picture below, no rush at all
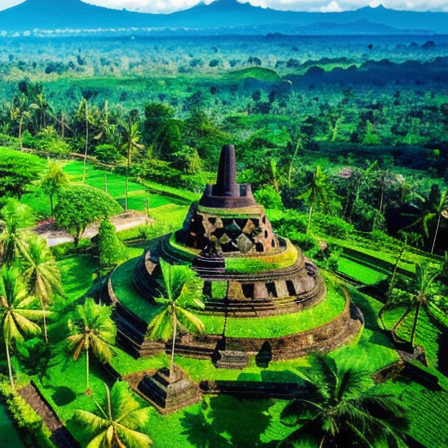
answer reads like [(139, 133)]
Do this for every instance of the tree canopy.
[(17, 172), (80, 205)]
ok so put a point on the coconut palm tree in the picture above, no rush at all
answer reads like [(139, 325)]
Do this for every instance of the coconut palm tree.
[(130, 146), (420, 293), (180, 290), (92, 329), (118, 423), (15, 219), (17, 312), (440, 210), (317, 192), (343, 410), (42, 274)]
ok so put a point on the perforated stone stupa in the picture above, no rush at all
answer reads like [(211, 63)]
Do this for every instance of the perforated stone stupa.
[(261, 294)]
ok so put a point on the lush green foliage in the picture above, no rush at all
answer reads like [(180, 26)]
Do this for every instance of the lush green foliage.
[(81, 205), (16, 218), (118, 422), (111, 249), (17, 172), (92, 329), (30, 424), (344, 410)]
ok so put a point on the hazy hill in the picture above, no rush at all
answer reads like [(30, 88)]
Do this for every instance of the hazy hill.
[(226, 15)]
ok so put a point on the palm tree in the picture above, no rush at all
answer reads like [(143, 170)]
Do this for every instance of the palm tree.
[(131, 145), (179, 289), (16, 218), (53, 178), (17, 314), (318, 191), (42, 274), (23, 113), (420, 294), (119, 422), (343, 411), (93, 329), (441, 210)]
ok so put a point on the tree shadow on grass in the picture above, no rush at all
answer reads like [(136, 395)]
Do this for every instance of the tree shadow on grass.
[(201, 433), (63, 395), (226, 421)]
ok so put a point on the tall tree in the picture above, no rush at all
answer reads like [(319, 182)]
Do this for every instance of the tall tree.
[(117, 424), (52, 180), (42, 274), (440, 210), (131, 145), (92, 329), (317, 192), (344, 410), (420, 293), (14, 238), (17, 312), (180, 290)]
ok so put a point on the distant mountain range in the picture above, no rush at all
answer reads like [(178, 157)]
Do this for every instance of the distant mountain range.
[(221, 16)]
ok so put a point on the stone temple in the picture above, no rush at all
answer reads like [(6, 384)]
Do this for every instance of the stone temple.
[(263, 297)]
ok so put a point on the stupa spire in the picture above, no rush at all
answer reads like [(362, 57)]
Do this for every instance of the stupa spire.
[(226, 183), (227, 193)]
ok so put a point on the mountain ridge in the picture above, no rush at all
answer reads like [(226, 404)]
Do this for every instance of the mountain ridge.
[(221, 14)]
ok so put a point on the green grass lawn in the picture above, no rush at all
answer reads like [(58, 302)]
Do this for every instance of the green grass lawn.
[(138, 194), (282, 325), (369, 275)]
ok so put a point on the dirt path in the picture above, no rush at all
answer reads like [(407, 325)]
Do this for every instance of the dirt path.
[(55, 235)]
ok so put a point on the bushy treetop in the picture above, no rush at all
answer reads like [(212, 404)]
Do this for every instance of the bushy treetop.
[(17, 171), (80, 205)]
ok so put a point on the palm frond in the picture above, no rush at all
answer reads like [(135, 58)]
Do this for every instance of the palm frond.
[(161, 326), (91, 421), (98, 441), (134, 439), (189, 320)]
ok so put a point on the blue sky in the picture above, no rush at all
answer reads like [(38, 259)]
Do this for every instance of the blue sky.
[(167, 6)]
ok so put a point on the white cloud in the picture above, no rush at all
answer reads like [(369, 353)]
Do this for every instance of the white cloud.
[(167, 6), (4, 4), (331, 7)]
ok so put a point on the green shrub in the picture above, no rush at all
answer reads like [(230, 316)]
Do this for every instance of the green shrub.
[(80, 205), (332, 225), (111, 249), (152, 230), (32, 429), (64, 249), (269, 198), (49, 140), (306, 242)]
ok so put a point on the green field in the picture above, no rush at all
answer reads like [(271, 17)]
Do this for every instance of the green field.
[(369, 275)]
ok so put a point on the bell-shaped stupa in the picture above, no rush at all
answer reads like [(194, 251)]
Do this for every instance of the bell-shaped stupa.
[(262, 296)]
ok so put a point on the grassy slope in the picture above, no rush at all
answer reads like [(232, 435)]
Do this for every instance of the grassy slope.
[(262, 327), (96, 177)]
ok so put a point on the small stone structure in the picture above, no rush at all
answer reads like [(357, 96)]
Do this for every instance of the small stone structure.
[(169, 394)]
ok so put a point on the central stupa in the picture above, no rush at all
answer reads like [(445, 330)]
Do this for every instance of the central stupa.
[(263, 298)]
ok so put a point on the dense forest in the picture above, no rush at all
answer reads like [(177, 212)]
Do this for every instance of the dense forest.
[(366, 116), (345, 143)]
